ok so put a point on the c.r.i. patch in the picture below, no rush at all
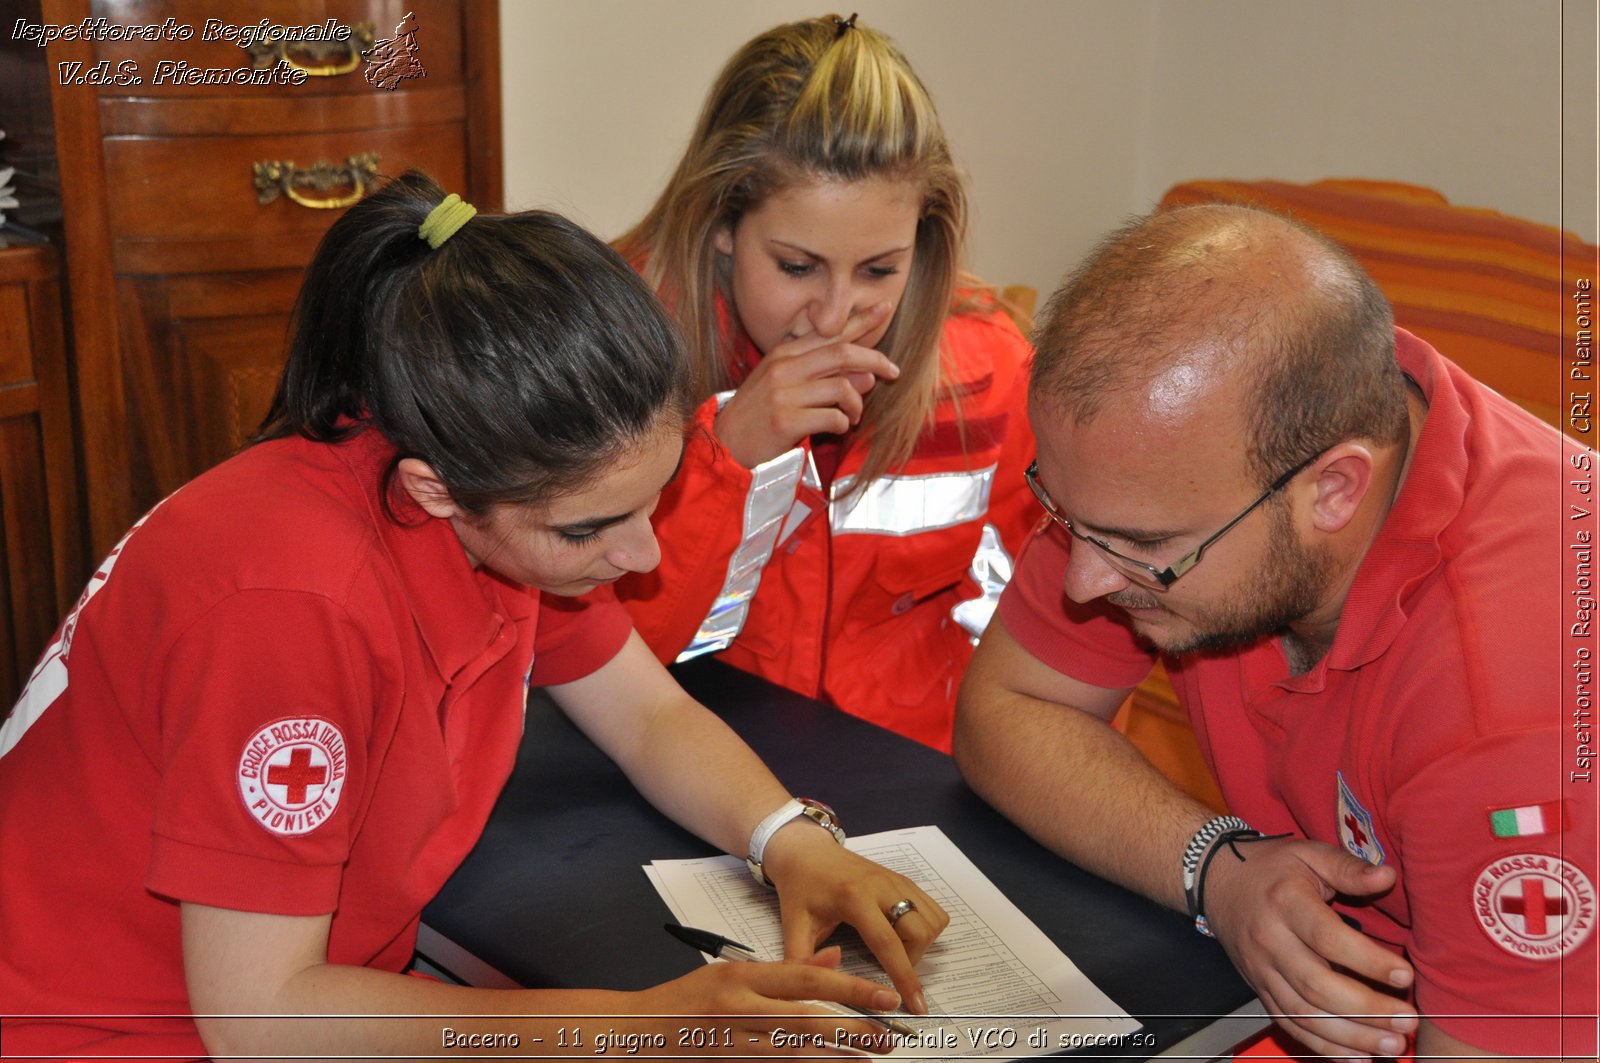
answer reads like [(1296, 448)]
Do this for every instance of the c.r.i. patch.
[(1355, 826)]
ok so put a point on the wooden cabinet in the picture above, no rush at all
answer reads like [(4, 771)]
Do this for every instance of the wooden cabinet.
[(193, 198), (41, 535)]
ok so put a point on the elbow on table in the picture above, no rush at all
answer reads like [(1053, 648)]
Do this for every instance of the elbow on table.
[(226, 1038), (974, 738)]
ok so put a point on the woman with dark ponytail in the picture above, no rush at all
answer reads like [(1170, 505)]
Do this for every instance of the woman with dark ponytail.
[(279, 715)]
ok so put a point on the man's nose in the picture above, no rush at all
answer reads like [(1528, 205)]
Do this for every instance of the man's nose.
[(1090, 575)]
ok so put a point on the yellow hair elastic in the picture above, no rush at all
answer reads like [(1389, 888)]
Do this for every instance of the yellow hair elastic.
[(442, 221)]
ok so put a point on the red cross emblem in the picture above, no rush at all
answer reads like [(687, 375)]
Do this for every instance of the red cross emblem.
[(291, 774), (296, 775), (1357, 832), (1534, 905)]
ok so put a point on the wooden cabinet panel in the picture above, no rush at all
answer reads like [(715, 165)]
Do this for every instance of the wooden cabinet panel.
[(185, 358), (16, 335), (182, 272), (25, 528), (233, 371), (41, 535)]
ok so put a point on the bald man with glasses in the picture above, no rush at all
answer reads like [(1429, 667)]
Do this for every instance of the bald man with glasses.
[(1348, 554)]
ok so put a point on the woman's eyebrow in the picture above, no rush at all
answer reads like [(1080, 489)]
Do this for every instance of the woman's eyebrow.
[(595, 524), (797, 248)]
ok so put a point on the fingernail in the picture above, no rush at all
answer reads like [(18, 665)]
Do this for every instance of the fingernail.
[(1400, 977), (918, 1005), (1392, 1046), (885, 1000), (1403, 1023)]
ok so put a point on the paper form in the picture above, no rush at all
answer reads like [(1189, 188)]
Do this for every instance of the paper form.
[(995, 985)]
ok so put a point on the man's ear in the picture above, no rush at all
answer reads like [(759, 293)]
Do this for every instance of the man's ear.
[(417, 479), (1343, 477)]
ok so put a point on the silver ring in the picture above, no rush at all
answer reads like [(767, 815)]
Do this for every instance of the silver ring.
[(900, 909)]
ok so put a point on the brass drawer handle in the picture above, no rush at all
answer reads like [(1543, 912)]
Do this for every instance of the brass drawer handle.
[(275, 177), (320, 59)]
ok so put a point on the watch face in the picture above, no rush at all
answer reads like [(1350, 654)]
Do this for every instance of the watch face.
[(823, 816)]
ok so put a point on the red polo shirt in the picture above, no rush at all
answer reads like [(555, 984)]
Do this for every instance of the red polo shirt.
[(1434, 736), (271, 698)]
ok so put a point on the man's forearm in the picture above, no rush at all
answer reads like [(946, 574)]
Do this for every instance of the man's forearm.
[(1080, 787)]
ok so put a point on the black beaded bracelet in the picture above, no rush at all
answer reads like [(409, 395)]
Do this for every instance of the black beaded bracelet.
[(1199, 843)]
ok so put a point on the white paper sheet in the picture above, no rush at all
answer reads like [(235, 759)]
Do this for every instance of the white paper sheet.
[(995, 985)]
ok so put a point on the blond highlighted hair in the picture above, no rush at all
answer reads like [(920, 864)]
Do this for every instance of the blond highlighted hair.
[(816, 100)]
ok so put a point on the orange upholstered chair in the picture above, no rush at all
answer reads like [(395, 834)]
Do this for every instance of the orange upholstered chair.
[(1492, 292)]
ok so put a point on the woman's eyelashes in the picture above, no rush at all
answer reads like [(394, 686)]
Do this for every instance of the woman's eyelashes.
[(805, 269)]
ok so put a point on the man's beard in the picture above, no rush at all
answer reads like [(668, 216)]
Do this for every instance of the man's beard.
[(1290, 582)]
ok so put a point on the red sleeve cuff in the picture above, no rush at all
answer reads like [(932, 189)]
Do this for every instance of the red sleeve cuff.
[(239, 882)]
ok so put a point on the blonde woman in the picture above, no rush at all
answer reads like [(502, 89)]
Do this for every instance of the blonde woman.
[(843, 520)]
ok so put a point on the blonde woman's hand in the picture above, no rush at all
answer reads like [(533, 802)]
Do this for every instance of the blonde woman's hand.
[(821, 884), (767, 1009), (804, 386)]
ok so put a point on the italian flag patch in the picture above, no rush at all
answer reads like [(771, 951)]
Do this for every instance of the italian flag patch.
[(1525, 821)]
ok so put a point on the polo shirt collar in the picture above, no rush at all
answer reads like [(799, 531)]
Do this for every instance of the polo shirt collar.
[(458, 611), (1407, 548)]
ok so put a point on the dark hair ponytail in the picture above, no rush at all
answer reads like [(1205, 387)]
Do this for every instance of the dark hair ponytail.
[(517, 359)]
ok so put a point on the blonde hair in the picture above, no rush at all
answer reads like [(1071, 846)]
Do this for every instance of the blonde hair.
[(820, 99)]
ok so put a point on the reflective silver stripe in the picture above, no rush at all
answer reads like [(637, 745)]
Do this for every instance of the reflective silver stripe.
[(49, 679), (906, 505), (991, 567), (800, 511), (771, 498)]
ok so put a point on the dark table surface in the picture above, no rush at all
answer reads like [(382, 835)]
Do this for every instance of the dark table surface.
[(554, 895)]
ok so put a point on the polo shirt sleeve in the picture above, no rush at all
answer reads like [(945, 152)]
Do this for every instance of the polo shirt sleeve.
[(266, 706), (577, 636), (1085, 641), (1499, 872)]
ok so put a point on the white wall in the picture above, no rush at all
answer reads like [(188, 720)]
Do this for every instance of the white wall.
[(1069, 115)]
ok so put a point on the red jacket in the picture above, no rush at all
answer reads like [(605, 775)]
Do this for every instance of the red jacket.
[(861, 602)]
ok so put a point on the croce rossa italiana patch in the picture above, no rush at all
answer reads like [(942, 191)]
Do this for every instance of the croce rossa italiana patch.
[(292, 773), (1534, 905)]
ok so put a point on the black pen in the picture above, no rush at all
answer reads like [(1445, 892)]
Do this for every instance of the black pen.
[(728, 949)]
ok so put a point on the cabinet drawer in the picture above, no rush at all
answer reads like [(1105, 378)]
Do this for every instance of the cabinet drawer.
[(190, 204), (214, 32)]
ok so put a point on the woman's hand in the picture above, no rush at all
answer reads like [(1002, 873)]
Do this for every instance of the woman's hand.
[(754, 1009), (821, 884), (802, 387)]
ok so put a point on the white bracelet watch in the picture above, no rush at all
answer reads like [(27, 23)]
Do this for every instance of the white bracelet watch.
[(792, 809)]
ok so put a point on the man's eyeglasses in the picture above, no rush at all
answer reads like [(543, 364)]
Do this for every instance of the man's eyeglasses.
[(1140, 571)]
